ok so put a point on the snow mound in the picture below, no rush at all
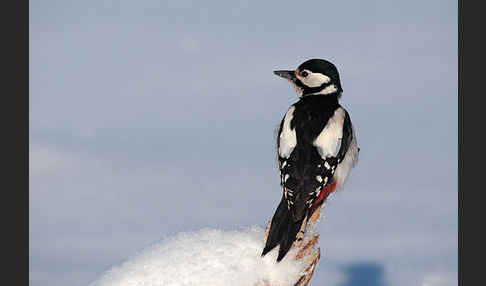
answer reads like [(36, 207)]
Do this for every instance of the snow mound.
[(206, 257)]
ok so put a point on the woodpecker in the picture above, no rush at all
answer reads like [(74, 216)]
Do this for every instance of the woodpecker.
[(316, 149)]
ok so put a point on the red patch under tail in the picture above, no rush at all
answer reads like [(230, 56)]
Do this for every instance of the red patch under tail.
[(324, 193)]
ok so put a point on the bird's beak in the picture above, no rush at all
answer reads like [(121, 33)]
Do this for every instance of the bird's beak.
[(290, 75)]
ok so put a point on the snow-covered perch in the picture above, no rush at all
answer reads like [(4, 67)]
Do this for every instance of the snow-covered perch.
[(305, 255), (215, 257)]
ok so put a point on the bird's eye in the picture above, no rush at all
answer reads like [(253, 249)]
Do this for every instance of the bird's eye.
[(304, 73)]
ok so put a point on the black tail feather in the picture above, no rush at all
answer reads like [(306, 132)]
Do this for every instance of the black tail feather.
[(288, 238), (278, 225), (283, 231)]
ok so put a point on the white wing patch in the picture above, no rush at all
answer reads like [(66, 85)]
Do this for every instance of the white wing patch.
[(288, 137), (329, 140)]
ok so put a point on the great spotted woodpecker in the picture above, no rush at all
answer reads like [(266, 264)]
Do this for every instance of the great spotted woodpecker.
[(317, 148)]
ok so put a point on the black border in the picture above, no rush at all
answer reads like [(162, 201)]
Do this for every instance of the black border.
[(471, 91), (15, 136)]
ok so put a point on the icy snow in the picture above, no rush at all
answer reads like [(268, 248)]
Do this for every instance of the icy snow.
[(206, 257)]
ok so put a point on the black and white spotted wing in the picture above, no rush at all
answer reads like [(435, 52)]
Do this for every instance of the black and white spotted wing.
[(319, 176), (313, 139)]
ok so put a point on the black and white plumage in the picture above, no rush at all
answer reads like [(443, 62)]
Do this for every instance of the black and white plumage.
[(316, 148)]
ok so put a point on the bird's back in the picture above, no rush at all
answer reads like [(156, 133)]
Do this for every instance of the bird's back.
[(304, 163)]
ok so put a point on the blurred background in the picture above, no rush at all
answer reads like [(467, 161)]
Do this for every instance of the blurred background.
[(149, 118)]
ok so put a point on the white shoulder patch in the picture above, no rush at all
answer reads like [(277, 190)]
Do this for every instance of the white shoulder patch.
[(329, 140), (288, 137)]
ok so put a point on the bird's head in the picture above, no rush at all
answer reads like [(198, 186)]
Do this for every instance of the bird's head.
[(315, 76)]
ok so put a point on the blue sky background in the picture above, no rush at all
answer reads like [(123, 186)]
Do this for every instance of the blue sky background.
[(148, 118)]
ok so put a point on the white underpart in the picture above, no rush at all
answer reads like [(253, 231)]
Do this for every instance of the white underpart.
[(329, 140), (288, 137), (314, 79), (350, 159)]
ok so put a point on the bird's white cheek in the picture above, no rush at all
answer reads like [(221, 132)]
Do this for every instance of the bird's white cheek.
[(315, 79), (330, 89)]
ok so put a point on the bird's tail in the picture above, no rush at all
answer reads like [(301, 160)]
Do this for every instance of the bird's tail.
[(283, 230)]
